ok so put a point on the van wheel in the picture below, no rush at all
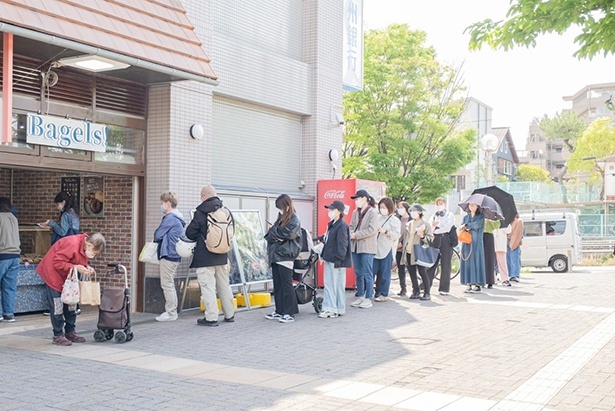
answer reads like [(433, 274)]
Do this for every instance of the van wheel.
[(559, 264)]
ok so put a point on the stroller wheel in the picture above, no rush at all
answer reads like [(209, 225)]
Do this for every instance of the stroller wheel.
[(120, 337), (108, 334), (99, 336), (129, 336), (317, 304)]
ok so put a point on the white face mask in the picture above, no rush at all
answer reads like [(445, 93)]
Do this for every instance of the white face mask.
[(359, 202), (384, 212), (90, 254), (440, 207), (332, 214), (414, 215), (163, 209), (401, 211)]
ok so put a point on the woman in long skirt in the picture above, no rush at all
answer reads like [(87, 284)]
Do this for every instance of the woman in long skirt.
[(473, 255)]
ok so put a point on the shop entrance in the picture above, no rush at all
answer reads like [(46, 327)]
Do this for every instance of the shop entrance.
[(104, 203)]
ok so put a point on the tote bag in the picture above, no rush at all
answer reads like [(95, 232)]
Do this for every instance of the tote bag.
[(425, 256), (149, 253), (89, 291), (70, 290)]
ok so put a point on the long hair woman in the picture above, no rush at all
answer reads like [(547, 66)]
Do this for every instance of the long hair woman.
[(473, 255), (283, 247), (69, 219)]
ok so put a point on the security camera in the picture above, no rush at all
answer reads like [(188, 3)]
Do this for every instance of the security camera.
[(301, 185), (339, 118)]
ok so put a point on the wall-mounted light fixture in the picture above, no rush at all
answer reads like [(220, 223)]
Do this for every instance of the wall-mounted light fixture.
[(197, 131), (334, 155), (92, 62), (337, 115)]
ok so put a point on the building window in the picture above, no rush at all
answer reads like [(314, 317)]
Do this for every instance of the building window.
[(459, 182), (533, 155), (508, 168)]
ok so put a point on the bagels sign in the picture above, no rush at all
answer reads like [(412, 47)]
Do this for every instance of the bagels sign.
[(65, 133)]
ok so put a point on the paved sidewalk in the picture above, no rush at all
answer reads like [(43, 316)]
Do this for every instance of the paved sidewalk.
[(546, 343)]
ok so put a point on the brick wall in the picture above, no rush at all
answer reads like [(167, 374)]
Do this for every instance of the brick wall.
[(33, 194), (5, 183)]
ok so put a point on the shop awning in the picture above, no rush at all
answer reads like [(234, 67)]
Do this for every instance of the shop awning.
[(151, 34)]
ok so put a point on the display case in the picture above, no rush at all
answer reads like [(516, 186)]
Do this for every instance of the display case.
[(35, 242)]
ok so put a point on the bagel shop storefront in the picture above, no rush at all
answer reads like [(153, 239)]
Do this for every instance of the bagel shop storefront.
[(87, 107)]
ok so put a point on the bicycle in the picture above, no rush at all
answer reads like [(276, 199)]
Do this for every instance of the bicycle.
[(455, 265)]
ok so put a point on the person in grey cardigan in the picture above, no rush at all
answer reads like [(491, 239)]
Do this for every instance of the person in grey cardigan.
[(417, 232), (364, 245), (388, 236), (9, 259)]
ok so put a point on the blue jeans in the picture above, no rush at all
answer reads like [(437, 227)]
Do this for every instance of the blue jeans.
[(363, 269), (334, 299), (513, 261), (9, 269), (382, 272)]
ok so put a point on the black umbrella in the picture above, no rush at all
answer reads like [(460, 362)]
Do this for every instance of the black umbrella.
[(504, 199), (489, 207)]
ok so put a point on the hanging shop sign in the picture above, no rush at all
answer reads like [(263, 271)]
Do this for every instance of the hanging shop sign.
[(66, 133)]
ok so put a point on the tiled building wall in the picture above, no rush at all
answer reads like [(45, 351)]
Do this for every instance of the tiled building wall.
[(33, 194)]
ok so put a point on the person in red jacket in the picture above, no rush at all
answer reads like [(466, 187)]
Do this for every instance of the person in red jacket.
[(66, 253)]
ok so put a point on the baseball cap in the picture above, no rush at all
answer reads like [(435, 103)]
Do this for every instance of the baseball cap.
[(361, 193), (337, 205)]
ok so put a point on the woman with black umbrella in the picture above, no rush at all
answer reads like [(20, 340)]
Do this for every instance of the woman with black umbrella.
[(473, 255)]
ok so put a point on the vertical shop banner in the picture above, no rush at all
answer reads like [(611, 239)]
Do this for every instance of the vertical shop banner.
[(94, 196), (353, 45), (72, 185)]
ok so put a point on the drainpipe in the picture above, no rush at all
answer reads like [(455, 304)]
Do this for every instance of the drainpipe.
[(84, 48), (7, 87)]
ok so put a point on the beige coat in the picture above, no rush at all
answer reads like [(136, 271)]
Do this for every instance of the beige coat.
[(411, 238), (365, 241)]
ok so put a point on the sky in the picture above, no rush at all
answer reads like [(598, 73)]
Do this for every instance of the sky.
[(520, 84)]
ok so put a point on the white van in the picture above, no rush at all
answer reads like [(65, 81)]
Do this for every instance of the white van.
[(551, 239)]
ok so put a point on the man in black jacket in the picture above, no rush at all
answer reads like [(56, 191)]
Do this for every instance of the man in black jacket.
[(212, 269)]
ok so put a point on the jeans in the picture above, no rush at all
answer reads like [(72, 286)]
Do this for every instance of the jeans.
[(62, 318), (401, 272), (9, 269), (167, 283), (382, 272), (363, 269), (211, 280), (283, 290), (513, 261), (334, 300)]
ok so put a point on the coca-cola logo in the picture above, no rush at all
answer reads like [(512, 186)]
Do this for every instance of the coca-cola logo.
[(334, 194)]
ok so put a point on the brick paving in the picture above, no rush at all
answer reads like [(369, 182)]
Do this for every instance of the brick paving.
[(459, 352)]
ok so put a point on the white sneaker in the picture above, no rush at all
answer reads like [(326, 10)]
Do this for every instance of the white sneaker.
[(367, 303), (165, 316), (356, 302), (286, 318), (327, 314), (381, 299)]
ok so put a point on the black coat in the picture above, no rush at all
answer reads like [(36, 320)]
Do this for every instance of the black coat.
[(197, 230), (337, 248), (284, 243)]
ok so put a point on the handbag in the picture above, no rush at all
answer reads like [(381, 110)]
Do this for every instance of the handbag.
[(70, 290), (452, 237), (89, 291), (464, 237), (149, 253), (425, 256)]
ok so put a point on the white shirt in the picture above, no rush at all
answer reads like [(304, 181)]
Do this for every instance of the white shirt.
[(445, 222)]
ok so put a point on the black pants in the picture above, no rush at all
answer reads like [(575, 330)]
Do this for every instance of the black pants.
[(415, 280), (283, 291), (489, 247), (444, 260), (62, 319), (401, 271)]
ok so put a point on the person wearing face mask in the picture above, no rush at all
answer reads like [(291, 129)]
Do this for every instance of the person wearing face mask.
[(418, 231), (404, 217), (69, 220), (364, 244), (166, 235), (472, 255), (68, 252), (336, 254), (388, 236), (442, 221), (283, 247)]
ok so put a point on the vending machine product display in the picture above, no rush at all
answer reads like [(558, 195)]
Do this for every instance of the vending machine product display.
[(342, 190)]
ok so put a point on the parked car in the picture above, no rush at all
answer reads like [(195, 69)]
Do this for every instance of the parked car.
[(552, 239)]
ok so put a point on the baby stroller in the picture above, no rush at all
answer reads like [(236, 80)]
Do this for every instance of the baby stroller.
[(305, 275), (114, 310)]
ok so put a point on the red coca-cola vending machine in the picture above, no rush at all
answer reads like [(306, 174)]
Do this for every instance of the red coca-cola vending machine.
[(342, 190)]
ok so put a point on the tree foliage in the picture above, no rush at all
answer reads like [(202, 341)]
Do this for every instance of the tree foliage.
[(527, 19), (401, 128), (597, 142), (527, 172)]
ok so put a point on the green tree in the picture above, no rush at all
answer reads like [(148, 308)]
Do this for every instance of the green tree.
[(527, 172), (401, 128), (598, 141), (527, 19)]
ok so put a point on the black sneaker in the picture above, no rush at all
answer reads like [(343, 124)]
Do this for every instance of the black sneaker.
[(425, 297), (489, 286), (230, 320), (415, 296), (515, 279), (476, 289), (7, 318), (203, 321), (506, 283)]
